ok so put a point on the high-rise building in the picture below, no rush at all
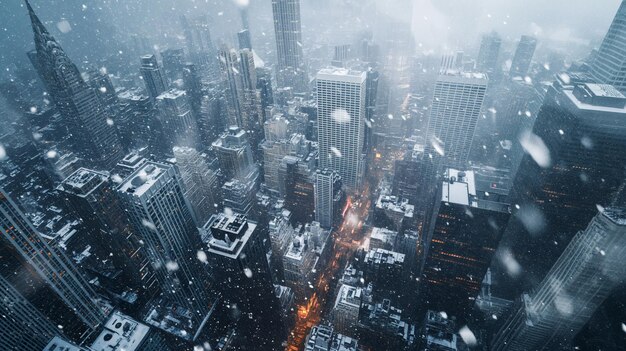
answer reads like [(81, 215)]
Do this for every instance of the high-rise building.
[(581, 279), (235, 155), (274, 152), (91, 195), (232, 77), (297, 184), (48, 265), (456, 107), (305, 258), (237, 252), (487, 61), (575, 167), (328, 197), (139, 127), (201, 183), (346, 309), (608, 64), (460, 244), (152, 76), (154, 199), (211, 121), (179, 123), (23, 326), (243, 37), (523, 56), (405, 183), (291, 69), (173, 61), (341, 123), (83, 113), (199, 43)]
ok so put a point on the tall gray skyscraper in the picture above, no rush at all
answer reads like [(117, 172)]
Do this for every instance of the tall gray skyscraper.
[(487, 60), (82, 111), (23, 326), (179, 123), (291, 70), (201, 183), (328, 196), (341, 122), (585, 274), (456, 106), (231, 75), (153, 197), (49, 263), (609, 65), (523, 56), (235, 155), (572, 164), (152, 76), (238, 253)]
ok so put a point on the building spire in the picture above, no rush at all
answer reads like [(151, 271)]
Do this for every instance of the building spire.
[(38, 27)]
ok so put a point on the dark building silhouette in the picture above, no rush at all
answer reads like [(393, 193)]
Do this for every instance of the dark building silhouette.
[(465, 231), (523, 56), (80, 107), (558, 186)]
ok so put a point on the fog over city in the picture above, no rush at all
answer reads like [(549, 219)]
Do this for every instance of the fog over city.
[(312, 175)]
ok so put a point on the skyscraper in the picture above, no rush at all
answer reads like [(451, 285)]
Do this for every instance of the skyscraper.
[(487, 61), (179, 123), (460, 243), (291, 70), (23, 326), (582, 278), (298, 188), (173, 61), (153, 197), (235, 155), (237, 252), (152, 76), (576, 166), (243, 37), (341, 122), (328, 196), (201, 183), (48, 262), (92, 196), (609, 63), (82, 111), (523, 56), (456, 106)]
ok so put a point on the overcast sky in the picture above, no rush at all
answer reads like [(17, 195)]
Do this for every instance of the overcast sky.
[(438, 25)]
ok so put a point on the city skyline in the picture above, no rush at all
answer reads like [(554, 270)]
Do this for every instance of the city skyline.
[(299, 176)]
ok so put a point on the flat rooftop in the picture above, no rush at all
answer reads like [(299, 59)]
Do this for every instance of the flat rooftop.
[(462, 76), (341, 74), (382, 256), (604, 90), (236, 231), (459, 187), (121, 333), (82, 182), (143, 178), (172, 94)]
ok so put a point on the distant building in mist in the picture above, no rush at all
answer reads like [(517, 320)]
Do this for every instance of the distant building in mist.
[(523, 56)]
